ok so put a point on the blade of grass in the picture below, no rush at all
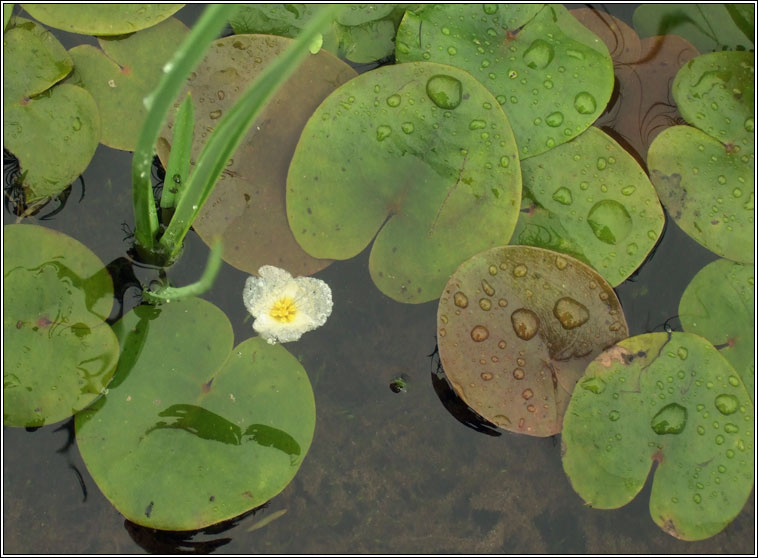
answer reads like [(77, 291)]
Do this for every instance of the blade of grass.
[(179, 161), (232, 128), (176, 71)]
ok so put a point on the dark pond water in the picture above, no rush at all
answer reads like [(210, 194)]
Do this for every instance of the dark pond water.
[(387, 472)]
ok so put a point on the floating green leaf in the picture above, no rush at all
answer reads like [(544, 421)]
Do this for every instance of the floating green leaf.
[(58, 353), (674, 400), (248, 207), (719, 305), (589, 198), (551, 74), (707, 26), (34, 61), (361, 32), (101, 19), (62, 118), (122, 74), (421, 153), (705, 179), (516, 328), (192, 432)]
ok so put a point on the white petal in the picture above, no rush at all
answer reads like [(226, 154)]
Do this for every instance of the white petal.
[(312, 299)]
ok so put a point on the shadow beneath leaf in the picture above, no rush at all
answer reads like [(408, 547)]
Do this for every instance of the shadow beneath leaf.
[(208, 425), (454, 404)]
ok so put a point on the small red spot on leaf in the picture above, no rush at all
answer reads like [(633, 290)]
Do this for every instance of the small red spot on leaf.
[(126, 70), (657, 456)]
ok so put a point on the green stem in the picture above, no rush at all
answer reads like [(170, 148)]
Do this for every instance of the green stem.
[(178, 165), (175, 73), (169, 294), (231, 130)]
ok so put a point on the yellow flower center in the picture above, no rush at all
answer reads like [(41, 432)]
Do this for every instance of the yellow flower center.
[(284, 310)]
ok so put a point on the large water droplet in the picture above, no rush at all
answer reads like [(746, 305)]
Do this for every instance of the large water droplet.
[(610, 221), (538, 55), (726, 404), (487, 288), (554, 119), (479, 333), (594, 384), (77, 125), (407, 127), (382, 132), (520, 270), (460, 300), (444, 91), (749, 125), (394, 100), (669, 420), (215, 115), (614, 415), (485, 304), (477, 125), (563, 196), (570, 313), (584, 103), (525, 323)]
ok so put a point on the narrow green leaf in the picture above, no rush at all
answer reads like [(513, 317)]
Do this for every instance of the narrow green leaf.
[(744, 18), (176, 71), (179, 162), (231, 129), (7, 13)]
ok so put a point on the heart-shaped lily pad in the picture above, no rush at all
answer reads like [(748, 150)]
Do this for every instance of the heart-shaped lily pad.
[(674, 400), (34, 61), (122, 74), (101, 19), (590, 199), (551, 74), (517, 326), (421, 153), (63, 118), (247, 207), (360, 32), (719, 305), (192, 432), (58, 353), (705, 179)]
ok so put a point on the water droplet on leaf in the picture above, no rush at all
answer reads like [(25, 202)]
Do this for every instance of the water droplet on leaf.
[(444, 91), (669, 420), (584, 103), (538, 55), (610, 221), (525, 323), (479, 333), (570, 313)]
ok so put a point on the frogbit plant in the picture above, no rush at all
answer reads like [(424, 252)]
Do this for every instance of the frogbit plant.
[(189, 188)]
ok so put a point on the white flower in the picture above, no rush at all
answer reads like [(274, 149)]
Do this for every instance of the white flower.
[(283, 307)]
